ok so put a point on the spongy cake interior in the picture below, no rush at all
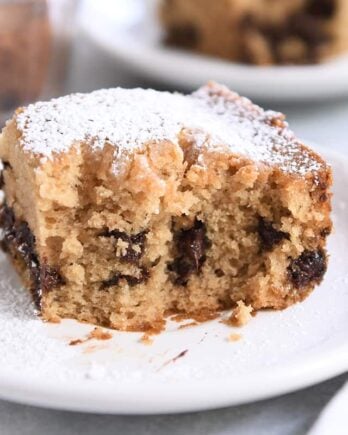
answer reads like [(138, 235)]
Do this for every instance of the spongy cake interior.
[(180, 229)]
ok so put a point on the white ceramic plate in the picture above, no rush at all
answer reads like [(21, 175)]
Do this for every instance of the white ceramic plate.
[(126, 30), (277, 352)]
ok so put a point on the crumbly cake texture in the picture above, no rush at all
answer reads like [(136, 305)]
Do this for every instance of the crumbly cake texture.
[(122, 206), (262, 32)]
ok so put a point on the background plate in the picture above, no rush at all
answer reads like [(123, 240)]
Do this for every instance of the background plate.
[(130, 33), (278, 352)]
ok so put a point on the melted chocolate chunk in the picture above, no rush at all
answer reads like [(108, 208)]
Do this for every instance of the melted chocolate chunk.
[(50, 278), (131, 280), (25, 242), (309, 267), (20, 241), (269, 235), (191, 245), (7, 219), (44, 278), (182, 269), (136, 244), (132, 255)]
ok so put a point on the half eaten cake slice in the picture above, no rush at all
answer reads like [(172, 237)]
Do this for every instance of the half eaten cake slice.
[(124, 205)]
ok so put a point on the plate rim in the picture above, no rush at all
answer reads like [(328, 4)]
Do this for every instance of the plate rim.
[(149, 60), (112, 399)]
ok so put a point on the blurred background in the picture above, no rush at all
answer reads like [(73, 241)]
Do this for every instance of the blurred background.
[(288, 55)]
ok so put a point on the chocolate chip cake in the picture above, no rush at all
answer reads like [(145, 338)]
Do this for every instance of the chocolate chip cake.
[(261, 32), (122, 206)]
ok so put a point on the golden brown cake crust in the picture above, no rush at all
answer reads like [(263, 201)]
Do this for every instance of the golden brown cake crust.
[(125, 205)]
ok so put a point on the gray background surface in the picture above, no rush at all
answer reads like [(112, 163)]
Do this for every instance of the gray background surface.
[(326, 124)]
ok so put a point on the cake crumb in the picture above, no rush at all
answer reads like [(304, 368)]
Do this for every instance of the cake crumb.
[(188, 325), (76, 341), (200, 316), (146, 339), (90, 349), (97, 333), (54, 319), (234, 337), (241, 314)]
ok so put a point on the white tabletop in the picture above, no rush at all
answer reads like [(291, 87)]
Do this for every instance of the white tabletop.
[(325, 124)]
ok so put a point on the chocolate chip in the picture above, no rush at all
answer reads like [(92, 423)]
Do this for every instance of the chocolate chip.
[(185, 36), (134, 280), (247, 22), (135, 242), (131, 280), (309, 267), (182, 269), (325, 232), (322, 8), (25, 241), (114, 280), (132, 255), (7, 218), (44, 279), (191, 245), (156, 262), (20, 241), (219, 273), (310, 29), (306, 26), (269, 235), (50, 278)]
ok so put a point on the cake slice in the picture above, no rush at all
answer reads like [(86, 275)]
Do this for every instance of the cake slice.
[(262, 32), (122, 206)]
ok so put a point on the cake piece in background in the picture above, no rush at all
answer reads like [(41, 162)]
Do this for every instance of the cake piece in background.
[(124, 205), (262, 32)]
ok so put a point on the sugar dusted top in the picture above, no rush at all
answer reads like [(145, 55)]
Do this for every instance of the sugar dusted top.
[(129, 118)]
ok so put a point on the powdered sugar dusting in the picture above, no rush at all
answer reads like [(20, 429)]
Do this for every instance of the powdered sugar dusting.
[(129, 118), (23, 335)]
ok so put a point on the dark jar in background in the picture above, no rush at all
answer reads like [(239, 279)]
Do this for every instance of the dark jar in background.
[(35, 40)]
